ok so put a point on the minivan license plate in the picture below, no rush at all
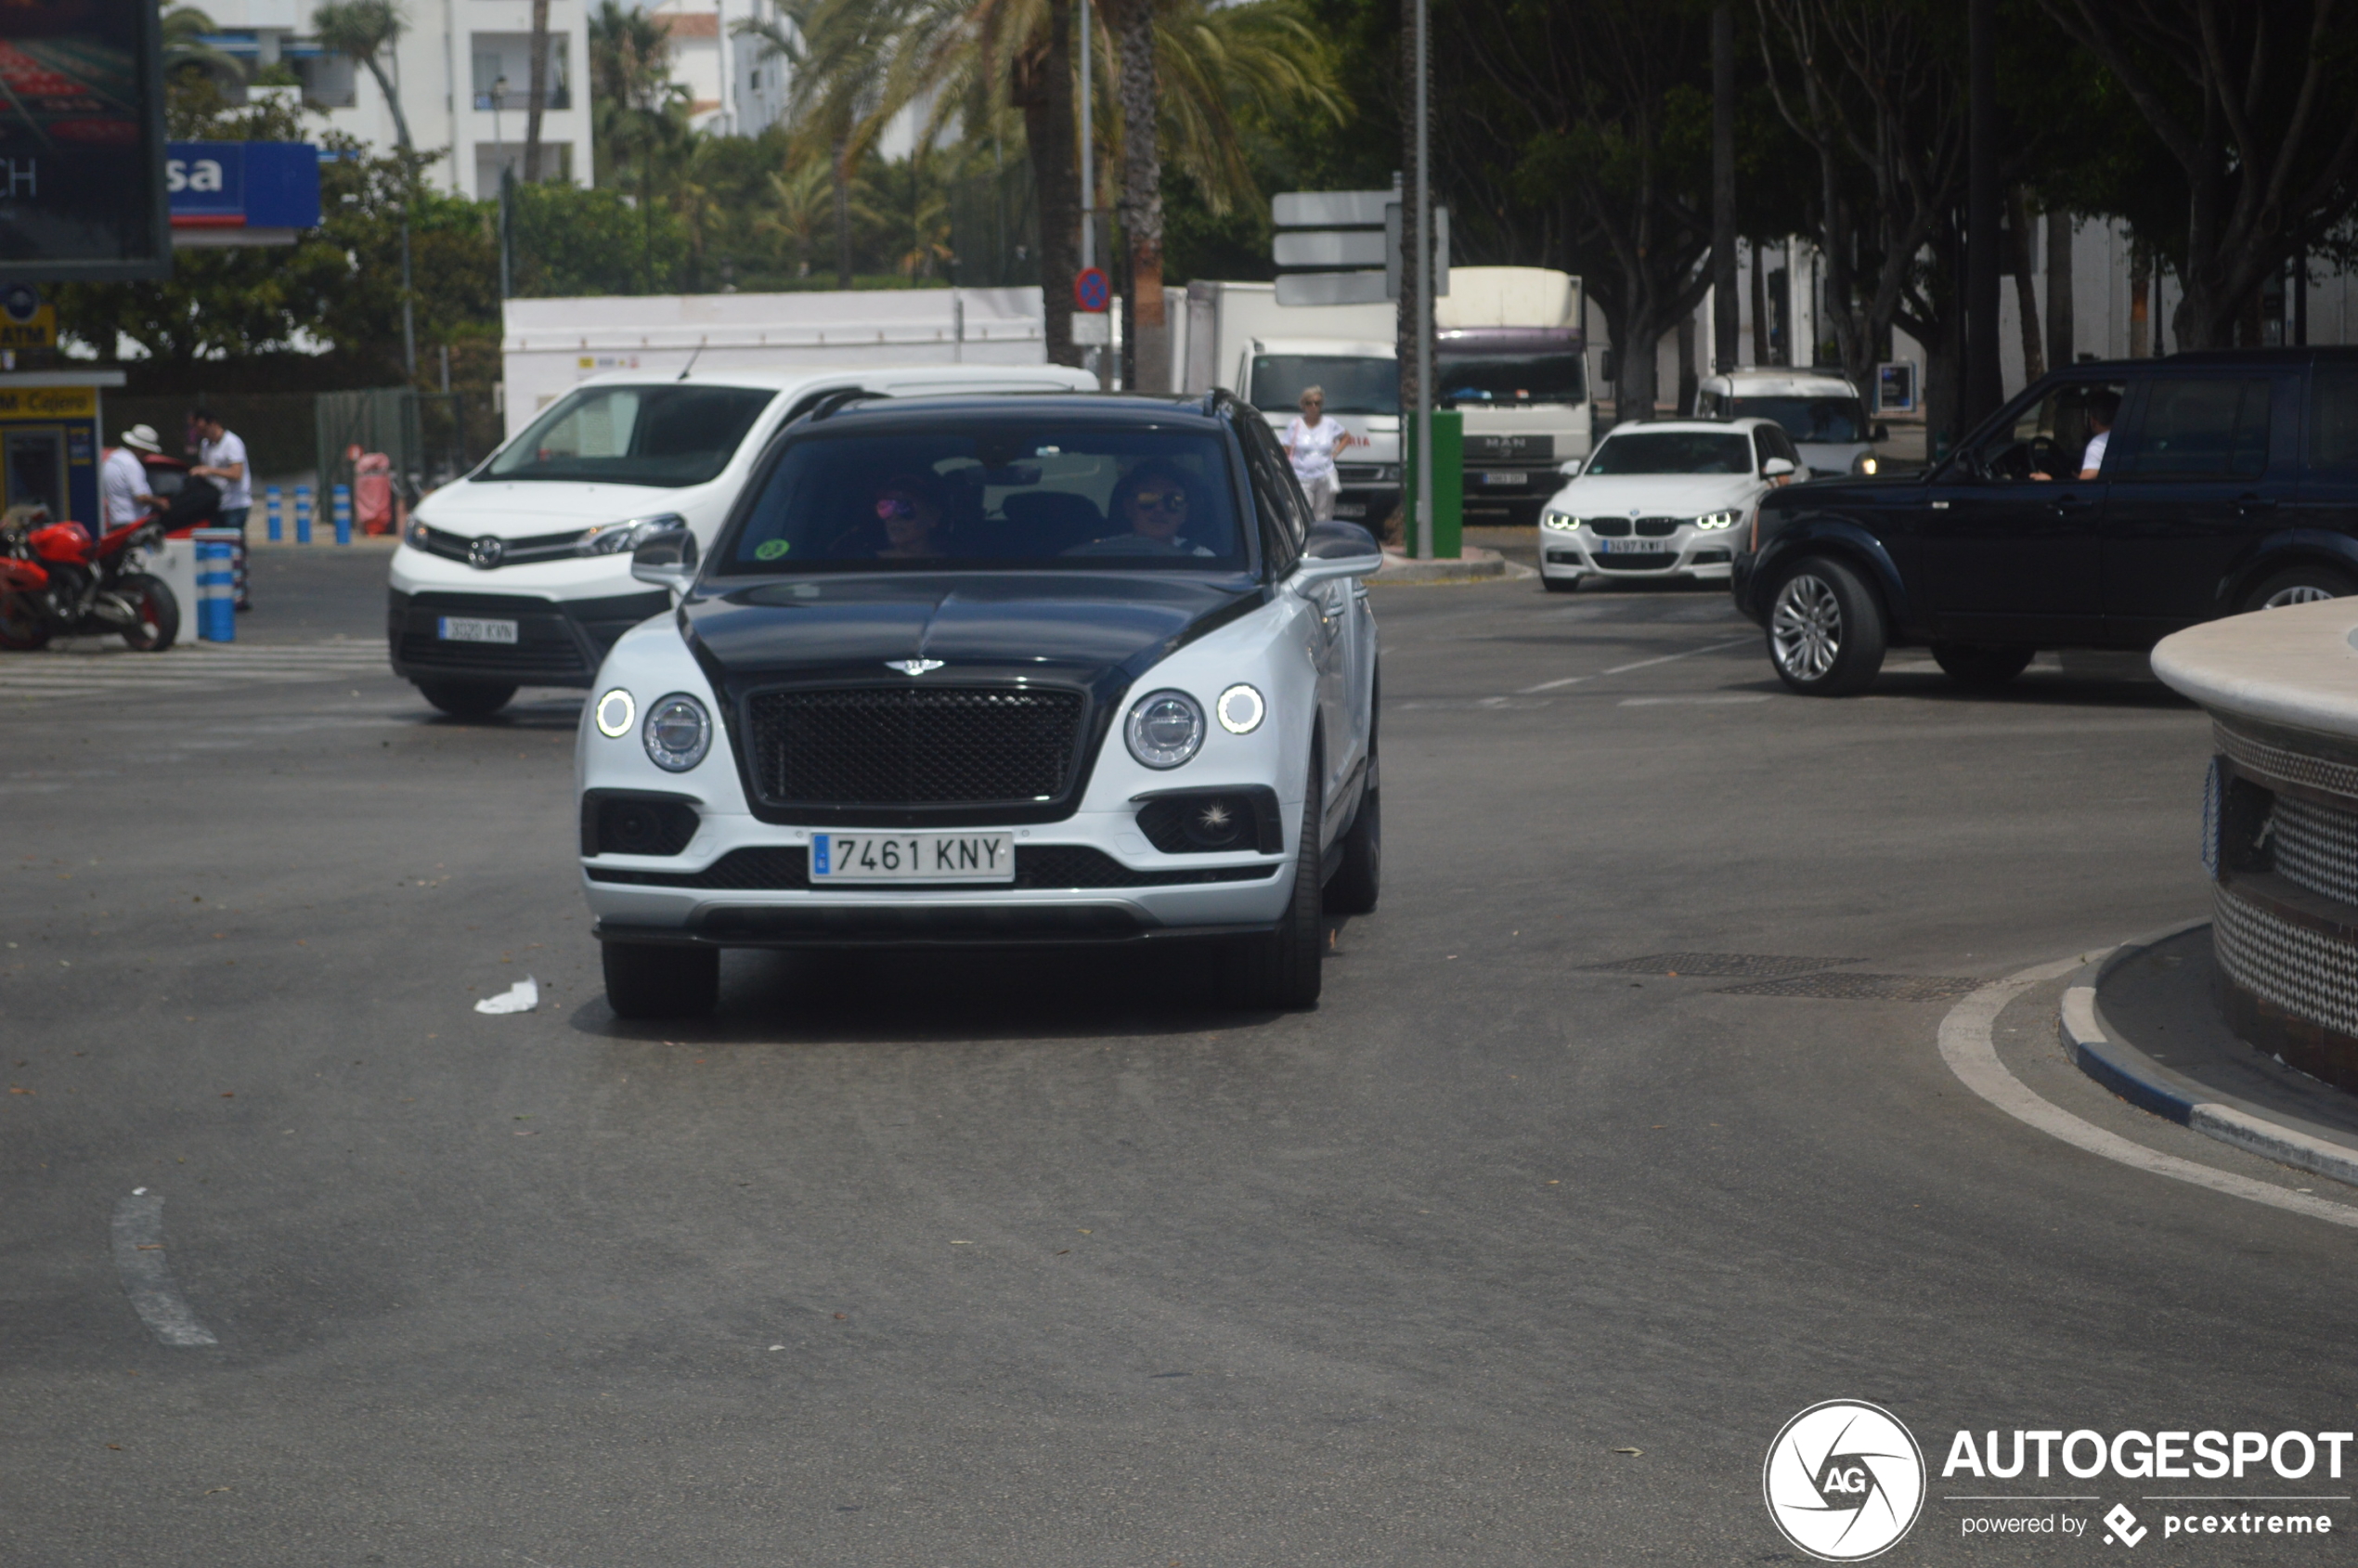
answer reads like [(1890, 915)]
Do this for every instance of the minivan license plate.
[(472, 628), (912, 856)]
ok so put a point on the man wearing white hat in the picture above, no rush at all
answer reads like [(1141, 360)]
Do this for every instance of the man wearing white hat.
[(123, 482)]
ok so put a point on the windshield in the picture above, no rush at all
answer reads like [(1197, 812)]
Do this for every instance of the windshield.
[(1834, 421), (1353, 384), (1030, 496), (1511, 378), (665, 436), (1672, 451)]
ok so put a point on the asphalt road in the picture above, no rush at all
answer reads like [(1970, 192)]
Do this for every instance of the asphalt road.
[(936, 1262)]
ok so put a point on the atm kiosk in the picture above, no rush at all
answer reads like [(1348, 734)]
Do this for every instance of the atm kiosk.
[(50, 440)]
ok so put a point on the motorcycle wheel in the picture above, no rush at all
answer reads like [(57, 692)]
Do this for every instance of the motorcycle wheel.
[(159, 624), (23, 626)]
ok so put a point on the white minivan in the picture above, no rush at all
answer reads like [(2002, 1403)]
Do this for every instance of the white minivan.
[(519, 575)]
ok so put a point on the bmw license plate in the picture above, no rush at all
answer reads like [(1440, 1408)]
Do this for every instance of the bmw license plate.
[(1636, 547), (912, 856), (473, 628), (1501, 476)]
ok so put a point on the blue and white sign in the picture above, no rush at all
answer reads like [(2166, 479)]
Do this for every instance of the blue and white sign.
[(241, 192)]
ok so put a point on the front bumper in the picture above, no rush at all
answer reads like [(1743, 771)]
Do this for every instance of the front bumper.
[(559, 642), (1697, 554), (1091, 878)]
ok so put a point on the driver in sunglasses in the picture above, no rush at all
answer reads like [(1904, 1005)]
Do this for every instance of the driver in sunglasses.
[(1154, 501), (911, 516)]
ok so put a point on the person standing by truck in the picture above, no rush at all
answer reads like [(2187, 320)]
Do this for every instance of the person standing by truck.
[(221, 456), (1312, 442)]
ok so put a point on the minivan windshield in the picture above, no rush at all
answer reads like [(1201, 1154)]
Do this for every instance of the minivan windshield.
[(1838, 422), (1672, 451), (1352, 383), (1032, 494), (1481, 380), (667, 435)]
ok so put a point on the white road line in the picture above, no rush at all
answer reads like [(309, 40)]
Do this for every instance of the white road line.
[(1710, 700), (1626, 669), (147, 1277), (1972, 1055)]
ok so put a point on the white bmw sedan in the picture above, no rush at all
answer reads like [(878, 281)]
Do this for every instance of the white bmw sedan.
[(992, 671), (1663, 499)]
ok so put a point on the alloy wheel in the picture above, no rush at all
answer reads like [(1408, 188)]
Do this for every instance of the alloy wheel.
[(1806, 627), (2299, 594)]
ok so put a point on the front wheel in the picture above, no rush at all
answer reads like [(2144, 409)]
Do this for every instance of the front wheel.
[(23, 626), (1979, 667), (1357, 882), (1281, 969), (155, 614), (1825, 630), (466, 699), (2297, 585), (650, 980)]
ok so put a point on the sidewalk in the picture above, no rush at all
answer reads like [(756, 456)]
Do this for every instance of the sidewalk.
[(2145, 1023)]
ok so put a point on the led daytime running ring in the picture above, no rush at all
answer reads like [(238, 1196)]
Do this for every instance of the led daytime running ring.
[(615, 712)]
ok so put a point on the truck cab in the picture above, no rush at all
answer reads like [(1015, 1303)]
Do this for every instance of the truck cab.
[(1362, 385), (1509, 357)]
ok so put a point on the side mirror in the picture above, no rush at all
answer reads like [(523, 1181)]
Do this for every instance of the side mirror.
[(1880, 432), (1570, 467), (1776, 468), (1336, 549), (668, 559)]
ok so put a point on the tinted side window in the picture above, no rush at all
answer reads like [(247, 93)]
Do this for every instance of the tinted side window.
[(1285, 515), (2333, 418), (2201, 427)]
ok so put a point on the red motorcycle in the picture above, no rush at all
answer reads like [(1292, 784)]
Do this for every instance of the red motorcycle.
[(56, 580)]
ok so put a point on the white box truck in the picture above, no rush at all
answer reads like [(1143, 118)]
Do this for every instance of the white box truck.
[(1510, 355)]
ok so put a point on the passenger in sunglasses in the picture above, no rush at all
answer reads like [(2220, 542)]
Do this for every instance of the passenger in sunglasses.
[(1155, 500), (911, 514)]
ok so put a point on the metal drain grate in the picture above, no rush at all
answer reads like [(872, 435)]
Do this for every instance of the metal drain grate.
[(1862, 988), (1748, 966)]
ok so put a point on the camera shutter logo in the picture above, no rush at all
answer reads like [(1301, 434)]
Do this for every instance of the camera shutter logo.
[(1844, 1481)]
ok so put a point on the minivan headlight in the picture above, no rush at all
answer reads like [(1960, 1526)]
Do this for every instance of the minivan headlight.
[(621, 539), (1864, 463), (416, 535), (1717, 519), (1164, 728), (677, 732)]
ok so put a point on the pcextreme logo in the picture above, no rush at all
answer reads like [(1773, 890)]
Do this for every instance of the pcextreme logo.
[(1844, 1481)]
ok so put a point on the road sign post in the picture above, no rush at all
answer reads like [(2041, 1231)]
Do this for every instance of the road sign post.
[(1091, 299)]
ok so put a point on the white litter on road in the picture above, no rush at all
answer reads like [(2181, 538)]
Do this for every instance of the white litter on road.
[(520, 997)]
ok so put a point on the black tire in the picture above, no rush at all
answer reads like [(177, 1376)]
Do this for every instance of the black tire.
[(23, 626), (466, 699), (159, 611), (1825, 630), (1560, 585), (1352, 889), (1980, 667), (1282, 967), (646, 981), (2297, 585)]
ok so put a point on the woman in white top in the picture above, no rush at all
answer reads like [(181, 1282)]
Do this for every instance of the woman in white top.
[(1312, 442)]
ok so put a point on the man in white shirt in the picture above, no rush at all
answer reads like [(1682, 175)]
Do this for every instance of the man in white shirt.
[(122, 481), (221, 456), (2101, 409)]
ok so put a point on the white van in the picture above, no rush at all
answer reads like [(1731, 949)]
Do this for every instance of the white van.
[(1821, 409), (1361, 382), (519, 575)]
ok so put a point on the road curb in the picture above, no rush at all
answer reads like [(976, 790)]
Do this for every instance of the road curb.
[(1476, 565), (2154, 1088)]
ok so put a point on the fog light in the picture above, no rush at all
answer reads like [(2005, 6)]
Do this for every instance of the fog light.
[(1216, 822)]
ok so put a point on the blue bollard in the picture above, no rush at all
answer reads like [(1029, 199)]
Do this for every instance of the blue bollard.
[(302, 514), (344, 513), (271, 509), (216, 584)]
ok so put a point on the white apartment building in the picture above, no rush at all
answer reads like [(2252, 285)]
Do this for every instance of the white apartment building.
[(463, 73)]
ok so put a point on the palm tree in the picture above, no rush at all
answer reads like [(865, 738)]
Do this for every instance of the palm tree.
[(367, 30), (538, 77), (839, 52), (801, 200), (1132, 23), (637, 102)]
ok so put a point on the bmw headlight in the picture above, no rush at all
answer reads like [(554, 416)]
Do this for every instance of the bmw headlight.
[(1717, 519), (1557, 520), (621, 539), (677, 732), (1164, 728)]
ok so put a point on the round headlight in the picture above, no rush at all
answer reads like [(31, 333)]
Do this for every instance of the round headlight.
[(1164, 728), (1240, 709), (615, 711), (679, 733)]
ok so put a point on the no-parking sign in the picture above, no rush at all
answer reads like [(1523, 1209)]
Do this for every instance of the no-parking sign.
[(1091, 289)]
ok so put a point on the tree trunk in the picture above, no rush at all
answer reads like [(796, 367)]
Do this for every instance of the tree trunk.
[(539, 79), (1133, 23), (2026, 292), (1686, 377), (2060, 338), (1042, 87), (1983, 387), (1409, 317), (843, 213), (1723, 190), (393, 101)]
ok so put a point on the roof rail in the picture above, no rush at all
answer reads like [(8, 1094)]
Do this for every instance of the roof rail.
[(830, 402)]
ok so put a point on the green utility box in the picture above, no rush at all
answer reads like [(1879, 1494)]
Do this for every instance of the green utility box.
[(1448, 483)]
